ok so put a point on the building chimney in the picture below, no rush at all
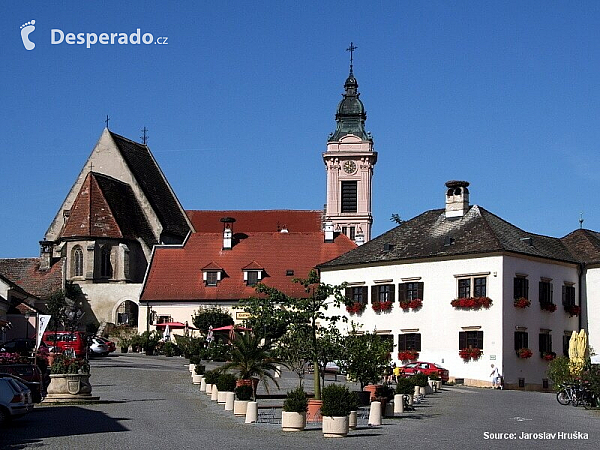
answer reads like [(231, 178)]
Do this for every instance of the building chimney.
[(328, 227), (359, 239), (227, 232), (457, 198)]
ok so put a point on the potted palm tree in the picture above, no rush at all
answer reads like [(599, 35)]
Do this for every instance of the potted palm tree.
[(252, 361), (293, 416), (338, 402)]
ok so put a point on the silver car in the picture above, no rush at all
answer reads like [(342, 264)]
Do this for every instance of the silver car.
[(97, 347)]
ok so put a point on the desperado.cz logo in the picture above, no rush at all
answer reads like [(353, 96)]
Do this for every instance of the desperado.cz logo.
[(58, 36)]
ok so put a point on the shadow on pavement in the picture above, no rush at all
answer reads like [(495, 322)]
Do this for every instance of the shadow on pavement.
[(48, 422)]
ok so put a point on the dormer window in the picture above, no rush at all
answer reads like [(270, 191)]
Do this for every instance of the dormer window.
[(212, 274), (252, 277)]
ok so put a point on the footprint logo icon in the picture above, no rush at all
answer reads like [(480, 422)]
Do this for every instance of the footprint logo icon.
[(26, 30)]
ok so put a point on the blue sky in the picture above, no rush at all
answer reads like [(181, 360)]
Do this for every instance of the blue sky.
[(241, 100)]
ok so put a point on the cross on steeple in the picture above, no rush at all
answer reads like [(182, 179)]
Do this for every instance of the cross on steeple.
[(107, 120), (144, 136), (351, 50)]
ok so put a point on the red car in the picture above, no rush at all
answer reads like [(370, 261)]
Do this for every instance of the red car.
[(426, 368)]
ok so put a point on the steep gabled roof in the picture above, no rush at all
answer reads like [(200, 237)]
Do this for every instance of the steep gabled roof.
[(154, 184), (175, 273), (584, 245), (26, 273), (105, 207), (252, 221), (432, 235)]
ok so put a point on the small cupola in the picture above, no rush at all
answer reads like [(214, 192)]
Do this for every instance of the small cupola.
[(227, 232), (457, 198)]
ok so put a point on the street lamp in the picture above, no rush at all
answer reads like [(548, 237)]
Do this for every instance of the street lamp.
[(27, 316)]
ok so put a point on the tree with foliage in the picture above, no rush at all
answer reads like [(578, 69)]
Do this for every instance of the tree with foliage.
[(213, 316), (267, 319), (365, 357), (291, 349), (310, 311), (559, 372)]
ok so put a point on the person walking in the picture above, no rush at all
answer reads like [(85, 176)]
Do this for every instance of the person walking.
[(496, 378)]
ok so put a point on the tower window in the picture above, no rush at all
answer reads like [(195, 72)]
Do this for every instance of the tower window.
[(350, 232), (105, 264), (77, 261), (349, 197)]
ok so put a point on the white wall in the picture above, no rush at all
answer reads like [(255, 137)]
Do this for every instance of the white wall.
[(439, 323)]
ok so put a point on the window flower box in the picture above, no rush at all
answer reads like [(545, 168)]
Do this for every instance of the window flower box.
[(524, 353), (472, 302), (382, 306), (573, 310), (548, 356), (408, 355), (550, 307), (522, 302), (356, 308), (470, 353), (411, 304)]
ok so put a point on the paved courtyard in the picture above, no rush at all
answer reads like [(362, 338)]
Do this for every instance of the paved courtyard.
[(150, 402)]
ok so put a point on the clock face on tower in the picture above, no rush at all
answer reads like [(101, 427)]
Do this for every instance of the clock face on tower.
[(349, 167)]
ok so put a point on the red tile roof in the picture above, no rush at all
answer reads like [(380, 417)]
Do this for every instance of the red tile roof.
[(175, 273), (26, 273), (252, 221)]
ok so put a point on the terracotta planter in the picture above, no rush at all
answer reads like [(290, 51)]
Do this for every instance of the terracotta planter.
[(313, 414), (335, 426), (293, 421), (371, 388)]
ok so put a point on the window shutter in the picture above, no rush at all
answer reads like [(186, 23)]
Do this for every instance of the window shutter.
[(374, 294), (420, 290), (365, 294), (480, 339), (348, 294), (525, 288), (517, 340), (462, 339), (401, 292), (418, 342), (401, 342), (392, 296), (516, 288), (564, 295)]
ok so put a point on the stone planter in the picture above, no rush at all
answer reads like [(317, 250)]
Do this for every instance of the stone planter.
[(192, 368), (239, 407), (202, 385), (335, 426), (439, 385), (214, 396), (293, 421), (353, 420), (69, 387), (208, 389), (222, 397), (197, 379)]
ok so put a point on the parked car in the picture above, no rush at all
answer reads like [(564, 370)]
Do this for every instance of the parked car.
[(66, 340), (13, 400), (29, 374), (97, 347), (23, 385), (110, 344), (21, 346), (426, 368)]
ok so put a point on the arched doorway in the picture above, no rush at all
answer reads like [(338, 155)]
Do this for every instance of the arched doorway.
[(127, 313)]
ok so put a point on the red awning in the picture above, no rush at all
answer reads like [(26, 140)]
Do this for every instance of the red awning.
[(232, 327), (174, 325)]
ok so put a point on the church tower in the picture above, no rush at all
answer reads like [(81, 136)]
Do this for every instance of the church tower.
[(349, 162)]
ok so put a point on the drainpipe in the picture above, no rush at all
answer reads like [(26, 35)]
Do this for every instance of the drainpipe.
[(580, 269)]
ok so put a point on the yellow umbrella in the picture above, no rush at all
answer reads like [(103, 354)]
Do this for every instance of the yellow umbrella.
[(582, 344), (573, 345)]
